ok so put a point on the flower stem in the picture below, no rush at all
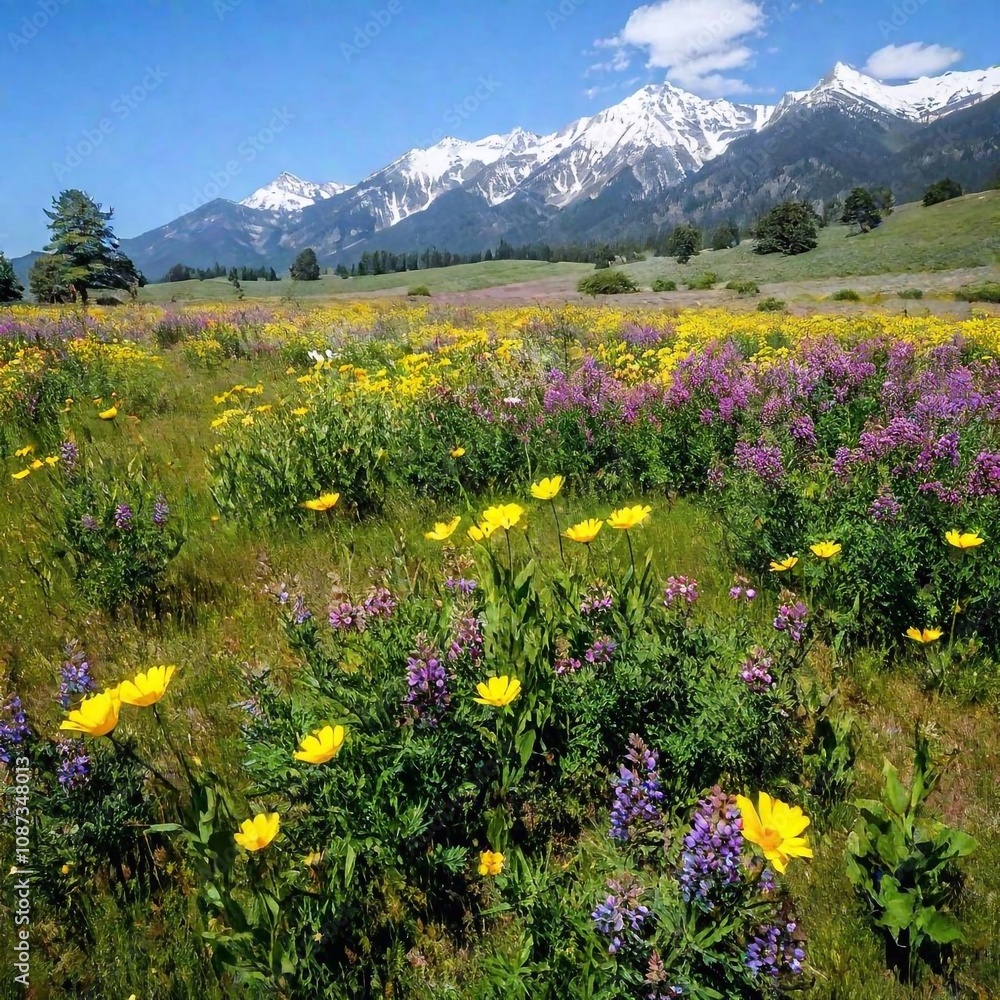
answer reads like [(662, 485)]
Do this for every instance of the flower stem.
[(555, 517), (631, 554), (129, 752)]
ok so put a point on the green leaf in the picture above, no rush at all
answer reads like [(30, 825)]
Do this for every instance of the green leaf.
[(941, 928)]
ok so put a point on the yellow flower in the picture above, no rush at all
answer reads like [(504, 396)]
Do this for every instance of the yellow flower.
[(443, 530), (775, 829), (498, 691), (825, 550), (966, 540), (147, 688), (628, 517), (925, 636), (457, 452), (324, 502), (23, 452), (505, 516), (51, 459), (109, 414), (784, 565), (36, 465), (490, 863), (476, 533), (584, 532), (300, 411), (255, 834), (322, 745), (23, 474), (65, 869), (96, 716), (547, 489)]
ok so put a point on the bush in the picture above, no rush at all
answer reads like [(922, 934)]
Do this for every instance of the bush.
[(771, 305), (943, 190), (846, 295), (987, 292), (421, 290), (744, 287), (703, 282), (911, 293), (789, 228), (607, 283), (664, 285)]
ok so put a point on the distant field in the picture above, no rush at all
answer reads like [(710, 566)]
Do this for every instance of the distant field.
[(460, 278), (963, 233)]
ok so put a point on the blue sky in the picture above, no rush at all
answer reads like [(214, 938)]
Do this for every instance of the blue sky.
[(153, 105)]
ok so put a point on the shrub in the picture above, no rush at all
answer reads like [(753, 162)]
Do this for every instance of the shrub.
[(911, 293), (846, 295), (744, 287), (664, 285), (419, 290), (771, 305), (703, 282), (943, 190), (987, 292), (607, 283), (789, 228)]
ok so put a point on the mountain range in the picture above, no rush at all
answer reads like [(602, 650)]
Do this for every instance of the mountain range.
[(660, 155)]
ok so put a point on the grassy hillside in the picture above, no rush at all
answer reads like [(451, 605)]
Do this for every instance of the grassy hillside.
[(460, 278), (962, 233)]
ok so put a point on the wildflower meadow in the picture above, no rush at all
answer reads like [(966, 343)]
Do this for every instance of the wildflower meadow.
[(382, 650)]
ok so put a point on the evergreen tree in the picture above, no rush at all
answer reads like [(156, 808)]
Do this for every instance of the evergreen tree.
[(271, 275), (305, 267), (861, 210), (47, 279), (943, 190), (488, 255), (11, 290), (684, 243), (86, 245), (342, 271), (726, 236), (789, 228), (885, 200)]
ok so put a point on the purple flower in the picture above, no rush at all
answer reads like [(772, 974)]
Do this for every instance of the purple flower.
[(566, 664), (885, 508), (740, 593), (596, 601), (75, 676), (763, 460), (73, 769), (756, 671), (427, 695), (680, 589), (123, 517), (89, 522), (600, 651), (463, 586), (161, 511), (14, 728), (620, 916), (774, 951), (379, 603), (300, 613), (466, 640), (636, 808), (69, 455), (791, 619), (712, 860), (345, 617)]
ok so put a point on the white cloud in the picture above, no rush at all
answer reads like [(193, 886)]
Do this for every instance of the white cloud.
[(907, 62), (695, 41)]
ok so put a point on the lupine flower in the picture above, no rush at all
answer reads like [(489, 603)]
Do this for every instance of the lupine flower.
[(75, 677), (466, 640), (547, 489), (885, 508), (776, 828), (70, 454), (300, 613), (161, 512), (712, 860), (747, 594), (324, 502), (146, 688), (620, 916), (774, 951), (463, 586), (345, 617), (490, 863), (123, 517), (255, 834), (584, 532), (96, 716), (680, 590), (566, 664), (498, 691), (427, 694), (638, 796), (596, 601), (925, 636), (627, 518), (791, 619), (379, 603), (600, 651), (89, 522), (322, 745), (73, 769), (14, 728), (442, 531), (756, 671)]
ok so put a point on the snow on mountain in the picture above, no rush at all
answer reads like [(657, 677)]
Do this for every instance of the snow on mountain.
[(921, 100), (288, 193)]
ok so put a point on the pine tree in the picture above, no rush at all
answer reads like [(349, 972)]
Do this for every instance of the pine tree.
[(861, 209), (684, 243), (11, 290), (943, 190), (305, 267), (789, 228), (725, 237), (47, 279), (85, 243)]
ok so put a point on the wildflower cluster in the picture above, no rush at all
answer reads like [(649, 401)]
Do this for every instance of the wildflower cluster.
[(638, 796), (712, 860)]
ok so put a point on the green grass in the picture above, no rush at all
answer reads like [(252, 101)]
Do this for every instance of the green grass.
[(460, 278), (963, 233)]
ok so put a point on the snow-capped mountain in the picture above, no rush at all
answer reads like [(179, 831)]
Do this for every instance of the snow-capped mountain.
[(288, 193), (580, 181)]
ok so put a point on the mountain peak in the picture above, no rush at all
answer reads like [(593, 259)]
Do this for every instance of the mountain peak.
[(289, 193)]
